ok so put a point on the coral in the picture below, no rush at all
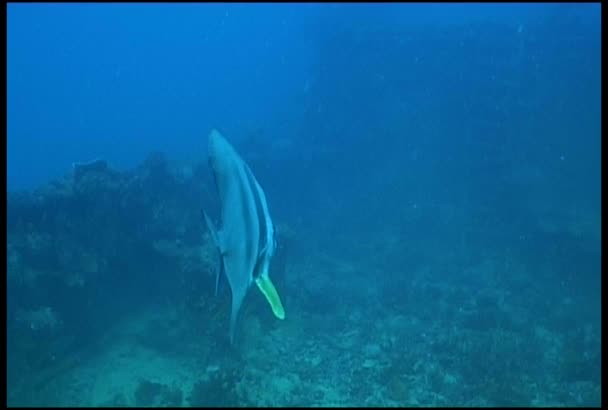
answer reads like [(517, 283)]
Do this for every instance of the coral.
[(43, 318), (507, 392), (13, 262), (216, 391), (95, 166), (118, 400), (579, 358), (151, 394), (147, 393), (398, 390), (171, 398)]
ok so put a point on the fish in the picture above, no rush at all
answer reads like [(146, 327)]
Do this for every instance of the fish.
[(247, 239)]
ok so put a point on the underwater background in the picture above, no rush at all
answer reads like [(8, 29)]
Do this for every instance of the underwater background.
[(433, 171)]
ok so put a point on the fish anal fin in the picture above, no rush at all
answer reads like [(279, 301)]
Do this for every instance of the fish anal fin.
[(267, 288)]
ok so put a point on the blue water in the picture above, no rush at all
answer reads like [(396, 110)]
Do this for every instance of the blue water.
[(434, 170)]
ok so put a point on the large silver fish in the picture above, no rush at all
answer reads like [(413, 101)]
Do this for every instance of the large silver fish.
[(247, 238)]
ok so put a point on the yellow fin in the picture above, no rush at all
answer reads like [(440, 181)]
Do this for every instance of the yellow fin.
[(268, 290)]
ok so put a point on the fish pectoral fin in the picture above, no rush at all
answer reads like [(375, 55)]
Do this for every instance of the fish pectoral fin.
[(263, 250), (215, 235), (270, 293)]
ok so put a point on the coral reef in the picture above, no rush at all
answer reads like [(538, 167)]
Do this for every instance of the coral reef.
[(480, 330)]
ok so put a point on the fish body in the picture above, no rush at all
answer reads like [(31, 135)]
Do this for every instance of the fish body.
[(246, 240)]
